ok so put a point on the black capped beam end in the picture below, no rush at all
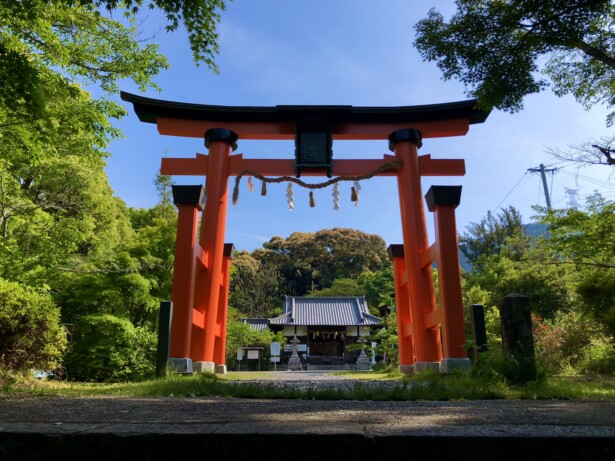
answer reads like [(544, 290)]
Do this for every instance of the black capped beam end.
[(395, 250), (189, 195), (443, 196), (221, 134), (405, 134)]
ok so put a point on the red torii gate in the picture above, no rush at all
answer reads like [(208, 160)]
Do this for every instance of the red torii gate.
[(429, 336)]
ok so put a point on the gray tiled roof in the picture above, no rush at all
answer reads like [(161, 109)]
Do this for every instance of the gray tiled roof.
[(334, 311), (257, 324)]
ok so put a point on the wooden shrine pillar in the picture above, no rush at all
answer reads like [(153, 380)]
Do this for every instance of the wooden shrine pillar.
[(404, 316), (428, 350), (442, 200), (189, 200), (211, 281), (220, 339)]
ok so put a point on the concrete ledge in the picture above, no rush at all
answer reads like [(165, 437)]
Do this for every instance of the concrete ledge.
[(300, 446), (220, 369), (33, 428), (422, 366), (204, 367), (448, 365), (406, 369), (180, 365)]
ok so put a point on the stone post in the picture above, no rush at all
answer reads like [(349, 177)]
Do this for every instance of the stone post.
[(517, 337)]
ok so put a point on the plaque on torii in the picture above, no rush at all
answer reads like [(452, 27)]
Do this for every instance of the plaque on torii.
[(430, 335)]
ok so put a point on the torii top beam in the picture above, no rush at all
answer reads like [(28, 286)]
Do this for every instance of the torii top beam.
[(279, 122)]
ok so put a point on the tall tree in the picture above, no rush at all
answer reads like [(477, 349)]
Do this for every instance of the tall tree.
[(492, 235), (504, 50), (312, 261)]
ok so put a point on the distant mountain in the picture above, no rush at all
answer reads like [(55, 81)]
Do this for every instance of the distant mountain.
[(536, 229)]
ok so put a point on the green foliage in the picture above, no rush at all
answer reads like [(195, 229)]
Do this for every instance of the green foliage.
[(255, 287), (494, 235), (496, 48), (240, 334), (584, 242), (386, 338), (341, 287), (309, 261), (379, 287), (106, 348), (30, 332)]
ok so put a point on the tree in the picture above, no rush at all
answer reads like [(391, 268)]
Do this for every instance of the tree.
[(255, 287), (503, 50), (505, 260), (310, 261), (597, 152), (341, 287), (30, 332), (110, 349), (584, 241), (492, 235), (379, 287)]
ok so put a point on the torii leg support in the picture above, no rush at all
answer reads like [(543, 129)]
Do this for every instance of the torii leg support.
[(220, 343), (405, 339), (220, 143), (443, 200), (428, 349), (189, 200)]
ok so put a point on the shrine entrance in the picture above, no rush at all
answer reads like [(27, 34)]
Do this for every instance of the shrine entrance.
[(430, 335)]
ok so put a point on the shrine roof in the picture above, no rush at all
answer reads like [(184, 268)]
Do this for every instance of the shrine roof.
[(333, 311), (149, 110)]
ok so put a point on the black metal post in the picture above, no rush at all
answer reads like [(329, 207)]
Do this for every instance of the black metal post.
[(164, 337), (479, 332)]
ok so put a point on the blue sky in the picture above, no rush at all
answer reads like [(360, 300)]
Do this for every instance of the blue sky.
[(352, 52)]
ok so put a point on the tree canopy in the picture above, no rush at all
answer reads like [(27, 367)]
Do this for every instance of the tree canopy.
[(503, 50)]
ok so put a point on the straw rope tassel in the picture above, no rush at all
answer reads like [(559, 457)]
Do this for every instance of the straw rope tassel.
[(312, 202)]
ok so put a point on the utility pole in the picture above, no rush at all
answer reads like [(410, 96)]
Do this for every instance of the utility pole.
[(542, 170)]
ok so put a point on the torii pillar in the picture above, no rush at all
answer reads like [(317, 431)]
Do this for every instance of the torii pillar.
[(211, 279), (427, 344)]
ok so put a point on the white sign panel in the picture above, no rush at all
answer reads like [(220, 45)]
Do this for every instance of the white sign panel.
[(252, 355), (275, 359), (239, 354), (275, 348)]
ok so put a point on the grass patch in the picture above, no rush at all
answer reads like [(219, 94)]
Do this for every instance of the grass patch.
[(422, 386)]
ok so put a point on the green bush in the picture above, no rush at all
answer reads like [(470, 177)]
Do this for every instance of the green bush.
[(110, 349), (598, 357), (31, 336), (566, 341)]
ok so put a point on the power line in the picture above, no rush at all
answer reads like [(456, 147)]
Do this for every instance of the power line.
[(511, 191)]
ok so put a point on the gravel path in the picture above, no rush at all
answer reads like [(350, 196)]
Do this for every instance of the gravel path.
[(319, 379)]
